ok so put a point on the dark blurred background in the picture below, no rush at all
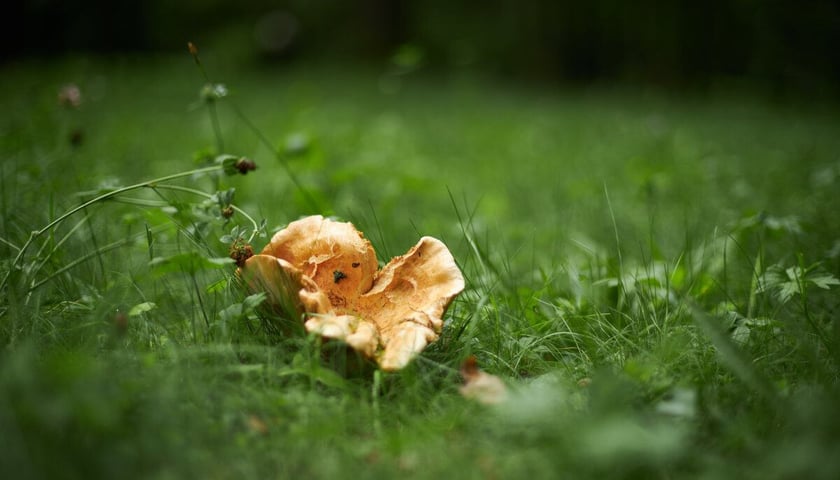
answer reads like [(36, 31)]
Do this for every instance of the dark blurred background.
[(778, 46)]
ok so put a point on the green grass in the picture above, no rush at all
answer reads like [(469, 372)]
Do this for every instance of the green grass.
[(644, 269)]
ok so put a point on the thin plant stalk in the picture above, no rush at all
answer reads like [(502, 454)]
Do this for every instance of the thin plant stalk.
[(289, 172), (193, 191), (211, 108), (217, 128)]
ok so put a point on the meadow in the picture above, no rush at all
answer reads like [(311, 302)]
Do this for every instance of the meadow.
[(652, 274)]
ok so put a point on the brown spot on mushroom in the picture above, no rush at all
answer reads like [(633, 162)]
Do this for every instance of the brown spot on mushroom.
[(337, 300)]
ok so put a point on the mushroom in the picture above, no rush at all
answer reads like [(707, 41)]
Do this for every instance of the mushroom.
[(328, 271), (481, 386)]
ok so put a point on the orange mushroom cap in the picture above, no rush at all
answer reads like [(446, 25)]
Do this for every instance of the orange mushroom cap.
[(328, 270)]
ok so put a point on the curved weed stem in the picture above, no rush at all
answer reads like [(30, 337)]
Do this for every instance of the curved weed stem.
[(99, 198), (113, 193)]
